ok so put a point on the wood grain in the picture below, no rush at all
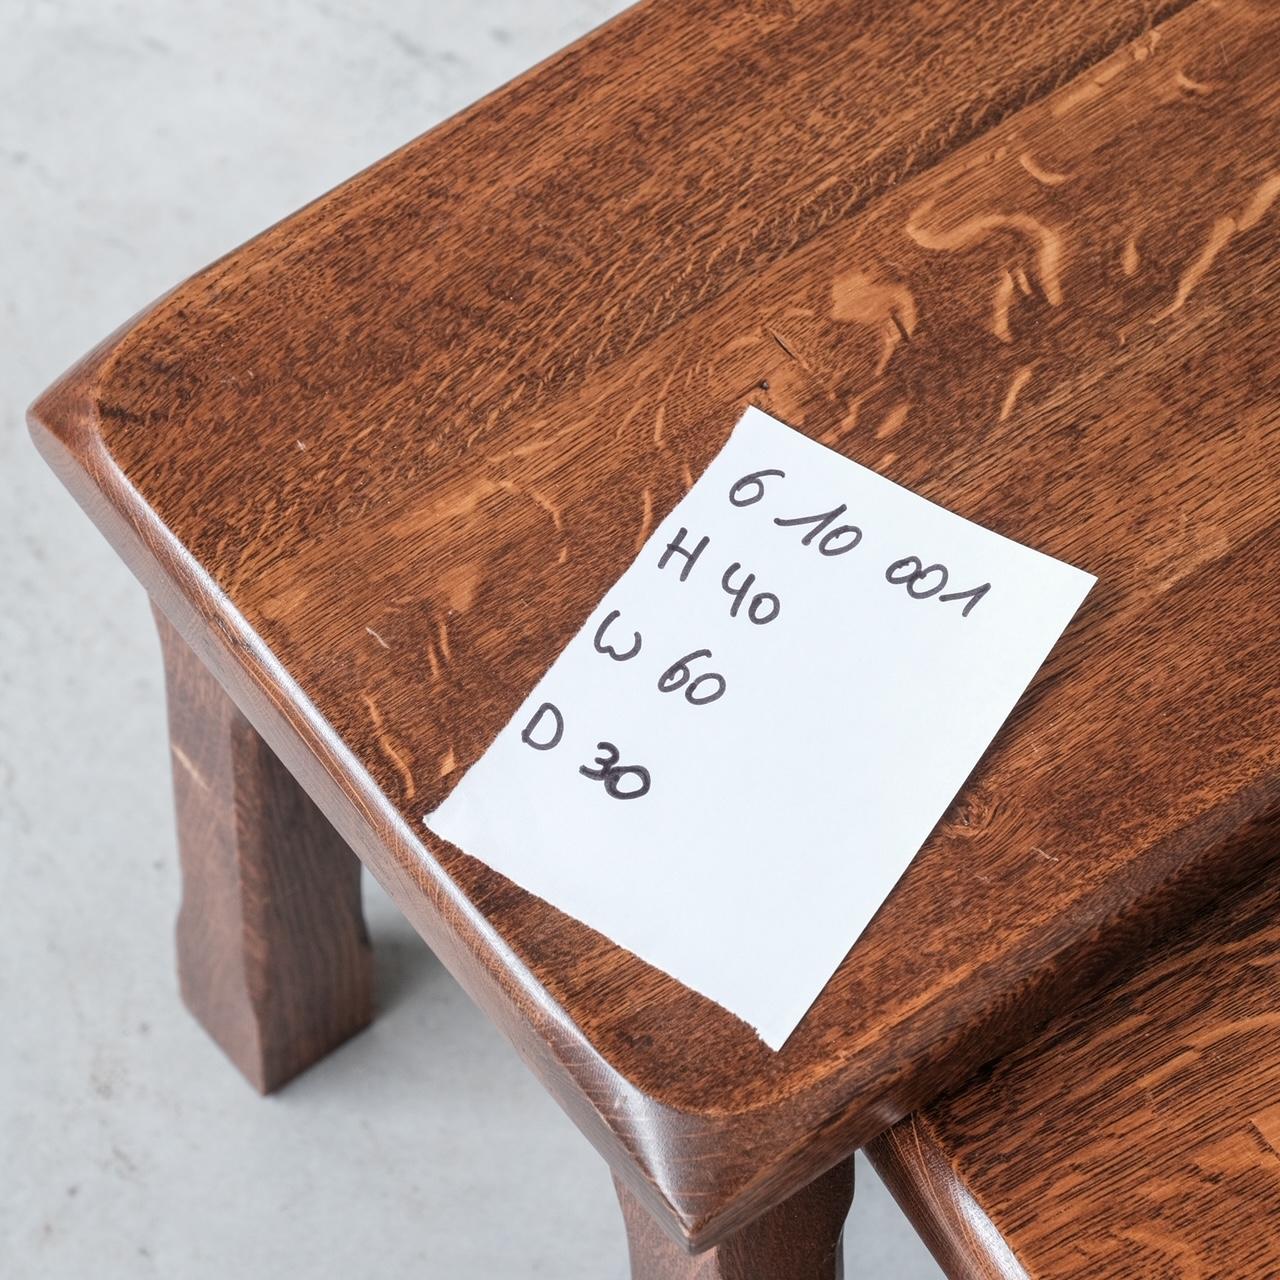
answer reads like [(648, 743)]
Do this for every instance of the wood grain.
[(273, 957), (379, 465), (799, 1239), (1139, 1137)]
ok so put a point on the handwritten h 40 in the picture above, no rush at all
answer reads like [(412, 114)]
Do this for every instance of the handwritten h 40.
[(630, 781)]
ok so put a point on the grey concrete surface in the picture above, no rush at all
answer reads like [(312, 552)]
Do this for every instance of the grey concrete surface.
[(137, 141)]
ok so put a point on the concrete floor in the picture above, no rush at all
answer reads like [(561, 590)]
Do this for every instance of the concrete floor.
[(137, 141)]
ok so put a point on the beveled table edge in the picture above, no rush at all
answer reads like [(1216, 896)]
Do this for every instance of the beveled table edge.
[(644, 1140)]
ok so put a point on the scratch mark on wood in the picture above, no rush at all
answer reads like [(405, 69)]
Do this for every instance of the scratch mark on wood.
[(1145, 45), (890, 306), (781, 342), (455, 505), (628, 418), (789, 346), (1019, 380), (1077, 95), (889, 339), (377, 637), (1261, 200), (459, 588), (1222, 231), (975, 230), (541, 500), (186, 762), (1267, 1126), (1130, 261), (384, 742), (660, 417), (646, 520), (848, 421), (1000, 308), (893, 420), (1202, 89), (1219, 234), (442, 630), (862, 299), (1046, 177), (524, 450)]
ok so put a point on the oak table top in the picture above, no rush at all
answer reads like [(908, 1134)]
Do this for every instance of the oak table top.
[(378, 465), (1138, 1137)]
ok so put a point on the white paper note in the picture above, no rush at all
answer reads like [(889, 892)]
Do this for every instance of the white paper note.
[(729, 767)]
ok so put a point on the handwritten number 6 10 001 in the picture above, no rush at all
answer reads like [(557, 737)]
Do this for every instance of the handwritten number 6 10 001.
[(912, 573), (922, 581)]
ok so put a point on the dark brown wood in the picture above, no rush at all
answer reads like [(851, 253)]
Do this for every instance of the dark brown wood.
[(1137, 1138), (799, 1239), (379, 465), (962, 1238), (273, 957)]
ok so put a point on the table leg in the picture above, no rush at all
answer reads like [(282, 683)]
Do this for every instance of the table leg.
[(273, 956), (799, 1239)]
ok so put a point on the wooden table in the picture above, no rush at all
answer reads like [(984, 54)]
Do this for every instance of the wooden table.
[(1137, 1137), (376, 467)]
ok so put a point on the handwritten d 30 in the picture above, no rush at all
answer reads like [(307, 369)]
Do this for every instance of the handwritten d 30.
[(622, 781)]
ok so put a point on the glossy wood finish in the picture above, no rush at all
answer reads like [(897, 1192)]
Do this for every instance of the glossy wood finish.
[(273, 958), (1138, 1138), (379, 464), (799, 1239)]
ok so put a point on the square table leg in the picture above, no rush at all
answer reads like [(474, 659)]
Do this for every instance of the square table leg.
[(799, 1239), (273, 955)]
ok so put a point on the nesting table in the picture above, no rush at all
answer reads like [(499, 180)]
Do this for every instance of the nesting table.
[(376, 467), (1138, 1136)]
